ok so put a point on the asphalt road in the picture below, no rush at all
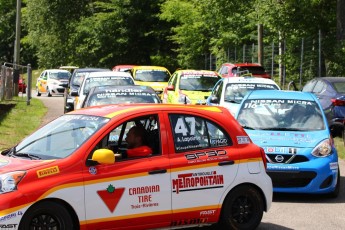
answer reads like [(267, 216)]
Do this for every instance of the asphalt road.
[(287, 211)]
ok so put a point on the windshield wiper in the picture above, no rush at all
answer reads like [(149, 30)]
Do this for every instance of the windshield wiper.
[(247, 127), (31, 156), (281, 129), (233, 101)]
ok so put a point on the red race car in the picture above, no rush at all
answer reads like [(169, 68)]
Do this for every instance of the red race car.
[(75, 173), (243, 69)]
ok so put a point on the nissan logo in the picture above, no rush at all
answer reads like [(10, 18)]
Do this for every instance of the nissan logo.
[(279, 158)]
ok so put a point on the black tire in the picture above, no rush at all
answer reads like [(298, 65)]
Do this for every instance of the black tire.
[(48, 92), (38, 94), (242, 209), (47, 215)]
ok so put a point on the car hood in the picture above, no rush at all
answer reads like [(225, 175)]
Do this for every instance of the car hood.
[(291, 138), (157, 86), (197, 96), (232, 107), (10, 164)]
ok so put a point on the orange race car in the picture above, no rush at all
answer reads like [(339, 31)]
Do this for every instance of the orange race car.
[(75, 173)]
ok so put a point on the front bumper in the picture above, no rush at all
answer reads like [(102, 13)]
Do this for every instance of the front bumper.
[(317, 176)]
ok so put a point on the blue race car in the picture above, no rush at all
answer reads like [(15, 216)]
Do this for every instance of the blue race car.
[(292, 129)]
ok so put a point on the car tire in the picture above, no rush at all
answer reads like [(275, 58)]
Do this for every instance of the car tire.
[(242, 209), (38, 94), (46, 215), (48, 92)]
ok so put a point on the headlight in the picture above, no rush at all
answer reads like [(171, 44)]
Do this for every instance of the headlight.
[(183, 99), (9, 181), (323, 149)]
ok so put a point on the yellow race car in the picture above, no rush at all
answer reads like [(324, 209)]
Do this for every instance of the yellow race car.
[(190, 86), (155, 76)]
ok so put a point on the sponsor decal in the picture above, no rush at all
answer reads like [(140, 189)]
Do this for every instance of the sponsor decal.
[(207, 213), (6, 226), (197, 181), (93, 170), (281, 167), (219, 142), (48, 171), (243, 140), (144, 196), (192, 221), (111, 196), (206, 156), (10, 216), (3, 162), (333, 165)]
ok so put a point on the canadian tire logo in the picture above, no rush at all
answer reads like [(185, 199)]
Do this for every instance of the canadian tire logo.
[(111, 196)]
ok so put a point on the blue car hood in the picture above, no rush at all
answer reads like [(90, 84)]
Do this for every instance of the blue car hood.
[(297, 139)]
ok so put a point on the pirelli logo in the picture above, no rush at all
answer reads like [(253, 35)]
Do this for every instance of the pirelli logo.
[(48, 171)]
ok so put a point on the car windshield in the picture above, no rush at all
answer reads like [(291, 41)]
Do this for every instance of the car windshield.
[(152, 75), (60, 75), (106, 80), (61, 137), (197, 82), (256, 70), (78, 78), (339, 87), (118, 97), (235, 92), (281, 114)]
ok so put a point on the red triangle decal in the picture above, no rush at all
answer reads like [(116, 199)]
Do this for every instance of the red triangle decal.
[(111, 196)]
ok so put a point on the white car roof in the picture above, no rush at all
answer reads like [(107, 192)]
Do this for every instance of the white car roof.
[(249, 80), (109, 74)]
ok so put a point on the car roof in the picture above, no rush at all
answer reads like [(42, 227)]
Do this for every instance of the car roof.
[(91, 69), (280, 94), (56, 70), (149, 67), (197, 72), (331, 79), (248, 80), (242, 64), (115, 109), (109, 74)]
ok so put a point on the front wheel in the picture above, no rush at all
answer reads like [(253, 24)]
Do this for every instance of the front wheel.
[(242, 209), (47, 215), (38, 92)]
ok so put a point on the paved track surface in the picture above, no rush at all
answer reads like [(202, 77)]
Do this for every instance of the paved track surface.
[(287, 211)]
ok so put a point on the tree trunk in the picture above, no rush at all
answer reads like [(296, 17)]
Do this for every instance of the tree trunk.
[(340, 20)]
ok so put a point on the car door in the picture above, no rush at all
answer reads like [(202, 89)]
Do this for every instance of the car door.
[(42, 82), (133, 191), (173, 95), (198, 178)]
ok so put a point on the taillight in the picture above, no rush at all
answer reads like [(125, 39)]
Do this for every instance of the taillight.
[(263, 156), (338, 102)]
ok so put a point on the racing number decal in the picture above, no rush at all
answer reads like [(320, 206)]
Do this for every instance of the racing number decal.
[(180, 127)]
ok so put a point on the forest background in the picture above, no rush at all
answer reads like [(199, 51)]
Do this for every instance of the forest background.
[(196, 34)]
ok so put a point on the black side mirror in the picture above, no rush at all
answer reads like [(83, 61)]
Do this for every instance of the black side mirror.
[(214, 99)]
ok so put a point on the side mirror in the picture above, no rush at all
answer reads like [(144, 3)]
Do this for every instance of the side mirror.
[(214, 99), (171, 88), (103, 156)]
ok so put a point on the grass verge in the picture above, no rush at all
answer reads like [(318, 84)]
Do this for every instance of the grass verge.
[(20, 120)]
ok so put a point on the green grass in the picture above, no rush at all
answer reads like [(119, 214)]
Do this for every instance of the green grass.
[(20, 121), (339, 145)]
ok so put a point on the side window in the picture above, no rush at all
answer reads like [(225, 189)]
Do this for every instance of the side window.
[(193, 132), (219, 90), (117, 141), (309, 86), (319, 87), (45, 76)]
